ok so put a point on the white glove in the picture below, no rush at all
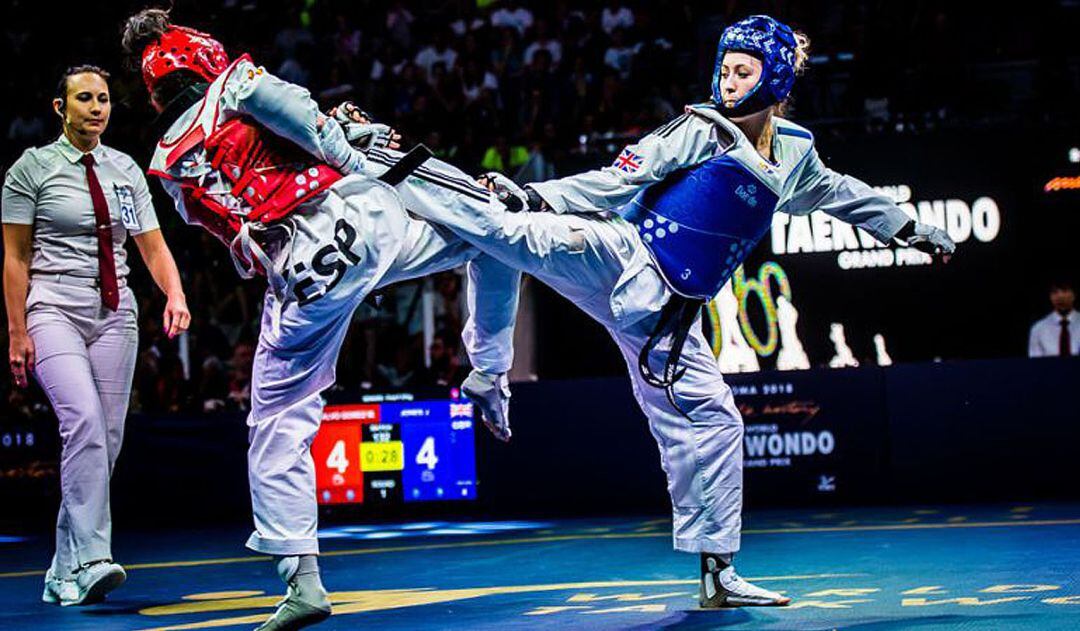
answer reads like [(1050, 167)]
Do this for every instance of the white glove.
[(926, 238), (360, 128), (514, 197)]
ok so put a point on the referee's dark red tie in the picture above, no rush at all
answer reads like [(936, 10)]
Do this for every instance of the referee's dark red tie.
[(1065, 341), (110, 290)]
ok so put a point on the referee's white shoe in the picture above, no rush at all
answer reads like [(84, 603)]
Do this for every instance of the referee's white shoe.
[(58, 590), (93, 581)]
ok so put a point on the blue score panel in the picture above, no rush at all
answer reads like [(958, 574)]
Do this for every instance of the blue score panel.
[(393, 451)]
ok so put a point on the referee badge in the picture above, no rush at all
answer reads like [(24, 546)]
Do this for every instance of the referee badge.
[(125, 196)]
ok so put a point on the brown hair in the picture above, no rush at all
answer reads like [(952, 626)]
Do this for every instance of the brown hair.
[(62, 85), (142, 29)]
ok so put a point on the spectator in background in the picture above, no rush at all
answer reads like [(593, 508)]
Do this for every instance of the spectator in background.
[(339, 88), (470, 49), (438, 51), (209, 349), (27, 127), (293, 37), (397, 366), (347, 41), (475, 80), (540, 166), (620, 55), (240, 377), (504, 157), (506, 55), (512, 15), (539, 78), (399, 22), (543, 41), (448, 307), (615, 16), (579, 88), (446, 368), (469, 19), (1057, 334), (293, 70)]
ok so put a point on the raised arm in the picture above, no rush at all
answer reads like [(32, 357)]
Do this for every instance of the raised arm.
[(853, 201), (289, 111), (685, 141)]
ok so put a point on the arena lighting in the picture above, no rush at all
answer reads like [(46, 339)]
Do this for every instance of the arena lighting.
[(1062, 184), (1074, 155)]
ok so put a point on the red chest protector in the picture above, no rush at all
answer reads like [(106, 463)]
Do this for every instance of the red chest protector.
[(268, 173)]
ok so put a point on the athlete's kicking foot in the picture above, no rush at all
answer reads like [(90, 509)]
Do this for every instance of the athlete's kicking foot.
[(491, 394), (306, 601), (722, 588)]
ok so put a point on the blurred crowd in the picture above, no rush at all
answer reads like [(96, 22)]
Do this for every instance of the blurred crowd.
[(531, 89)]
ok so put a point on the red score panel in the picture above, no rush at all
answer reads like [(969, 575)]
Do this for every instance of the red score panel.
[(336, 452)]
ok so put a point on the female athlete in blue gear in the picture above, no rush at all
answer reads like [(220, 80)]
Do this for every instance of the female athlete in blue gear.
[(641, 244)]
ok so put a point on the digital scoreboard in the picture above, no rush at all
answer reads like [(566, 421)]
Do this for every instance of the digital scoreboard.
[(391, 449)]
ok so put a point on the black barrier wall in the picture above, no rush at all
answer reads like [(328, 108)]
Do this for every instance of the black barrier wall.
[(991, 430)]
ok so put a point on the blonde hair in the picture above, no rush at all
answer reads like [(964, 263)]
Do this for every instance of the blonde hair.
[(802, 52), (802, 59)]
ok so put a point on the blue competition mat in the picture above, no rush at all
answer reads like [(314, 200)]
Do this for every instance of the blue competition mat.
[(989, 567)]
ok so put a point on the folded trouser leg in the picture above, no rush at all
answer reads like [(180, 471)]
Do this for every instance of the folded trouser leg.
[(282, 478)]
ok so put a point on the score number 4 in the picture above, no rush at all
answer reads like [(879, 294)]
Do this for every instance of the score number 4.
[(340, 461), (337, 458), (426, 456)]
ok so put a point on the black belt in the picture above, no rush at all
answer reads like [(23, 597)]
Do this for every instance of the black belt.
[(408, 163)]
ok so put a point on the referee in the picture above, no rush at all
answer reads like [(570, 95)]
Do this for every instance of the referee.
[(67, 210)]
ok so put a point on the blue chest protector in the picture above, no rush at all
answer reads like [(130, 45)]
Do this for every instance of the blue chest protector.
[(700, 223)]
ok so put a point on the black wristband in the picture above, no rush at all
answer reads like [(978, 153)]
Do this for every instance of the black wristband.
[(906, 231), (536, 203)]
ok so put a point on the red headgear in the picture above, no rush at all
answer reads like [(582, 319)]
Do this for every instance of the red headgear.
[(182, 48)]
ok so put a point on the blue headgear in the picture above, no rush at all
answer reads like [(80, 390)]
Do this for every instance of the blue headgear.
[(771, 42)]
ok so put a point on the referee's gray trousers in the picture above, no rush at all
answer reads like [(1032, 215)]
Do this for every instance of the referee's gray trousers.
[(85, 364)]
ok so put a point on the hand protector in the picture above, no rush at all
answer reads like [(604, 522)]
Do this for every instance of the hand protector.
[(514, 197), (360, 128), (927, 239)]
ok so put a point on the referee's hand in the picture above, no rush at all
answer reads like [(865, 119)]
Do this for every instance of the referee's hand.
[(176, 318), (21, 358)]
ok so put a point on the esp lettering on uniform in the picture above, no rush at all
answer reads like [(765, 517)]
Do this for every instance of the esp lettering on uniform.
[(328, 264)]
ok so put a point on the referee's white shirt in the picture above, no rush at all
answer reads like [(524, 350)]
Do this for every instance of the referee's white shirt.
[(47, 188), (1045, 338)]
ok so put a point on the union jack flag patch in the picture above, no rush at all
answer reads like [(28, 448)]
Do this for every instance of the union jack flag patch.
[(628, 161)]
